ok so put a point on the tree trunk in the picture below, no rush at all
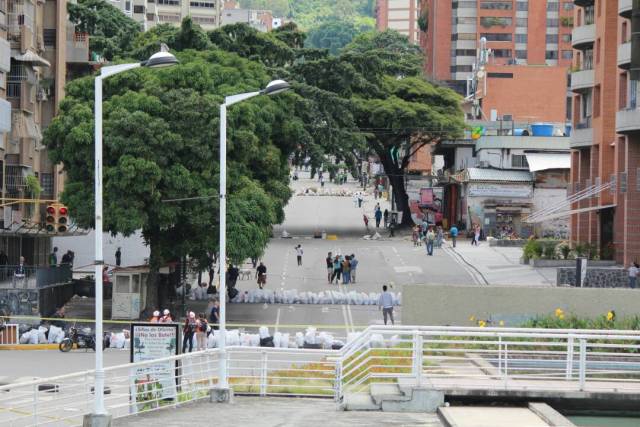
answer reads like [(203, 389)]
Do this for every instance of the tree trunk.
[(155, 261), (396, 178)]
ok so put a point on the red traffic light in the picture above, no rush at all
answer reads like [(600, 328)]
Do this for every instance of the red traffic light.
[(63, 211), (51, 210)]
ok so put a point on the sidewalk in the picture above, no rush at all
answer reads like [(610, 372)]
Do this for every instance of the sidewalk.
[(274, 411), (500, 265)]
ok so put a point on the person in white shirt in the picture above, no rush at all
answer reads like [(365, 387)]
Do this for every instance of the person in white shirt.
[(634, 271), (299, 253), (386, 304)]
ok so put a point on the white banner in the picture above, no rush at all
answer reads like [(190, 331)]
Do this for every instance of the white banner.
[(500, 190)]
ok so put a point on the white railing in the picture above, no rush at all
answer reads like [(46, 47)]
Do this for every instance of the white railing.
[(9, 333), (447, 358)]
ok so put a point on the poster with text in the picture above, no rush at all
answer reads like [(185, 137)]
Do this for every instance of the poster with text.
[(154, 383)]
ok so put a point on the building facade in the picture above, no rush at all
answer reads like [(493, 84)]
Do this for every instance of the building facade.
[(400, 15), (605, 174)]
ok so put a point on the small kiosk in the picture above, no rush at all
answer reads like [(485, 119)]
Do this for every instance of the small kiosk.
[(129, 292)]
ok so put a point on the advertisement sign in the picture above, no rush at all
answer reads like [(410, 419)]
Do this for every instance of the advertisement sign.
[(500, 190), (152, 383), (426, 196)]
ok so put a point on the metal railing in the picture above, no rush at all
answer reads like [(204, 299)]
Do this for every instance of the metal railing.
[(445, 358)]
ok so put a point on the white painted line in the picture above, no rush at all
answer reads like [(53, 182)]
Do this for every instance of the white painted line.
[(278, 319)]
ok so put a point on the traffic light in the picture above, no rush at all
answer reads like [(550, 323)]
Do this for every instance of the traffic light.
[(57, 218)]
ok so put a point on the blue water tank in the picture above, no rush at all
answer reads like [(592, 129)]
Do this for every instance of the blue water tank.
[(567, 130), (518, 132), (542, 129)]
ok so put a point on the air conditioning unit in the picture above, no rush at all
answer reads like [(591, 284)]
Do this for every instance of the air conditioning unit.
[(484, 164), (42, 94), (507, 118)]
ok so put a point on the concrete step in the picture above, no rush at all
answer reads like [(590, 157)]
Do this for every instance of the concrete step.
[(359, 402), (422, 400), (387, 392), (406, 385)]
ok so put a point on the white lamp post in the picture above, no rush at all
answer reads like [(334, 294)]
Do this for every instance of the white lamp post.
[(159, 59), (275, 87)]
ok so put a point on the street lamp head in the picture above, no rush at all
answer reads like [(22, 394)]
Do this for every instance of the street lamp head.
[(164, 58), (275, 87)]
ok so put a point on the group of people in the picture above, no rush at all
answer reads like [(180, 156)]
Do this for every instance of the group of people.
[(194, 326), (67, 258), (379, 215), (341, 266), (432, 236), (165, 318)]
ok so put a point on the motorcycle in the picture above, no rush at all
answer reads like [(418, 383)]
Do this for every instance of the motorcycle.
[(82, 339)]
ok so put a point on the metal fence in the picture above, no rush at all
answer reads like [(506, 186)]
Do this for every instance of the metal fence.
[(446, 358)]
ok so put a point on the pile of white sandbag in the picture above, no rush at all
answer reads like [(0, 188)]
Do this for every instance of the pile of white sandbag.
[(42, 335), (120, 340), (262, 296)]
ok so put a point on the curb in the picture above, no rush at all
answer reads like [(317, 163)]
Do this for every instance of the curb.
[(31, 347)]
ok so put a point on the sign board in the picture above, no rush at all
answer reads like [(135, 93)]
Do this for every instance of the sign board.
[(155, 382), (426, 196), (500, 190), (581, 272)]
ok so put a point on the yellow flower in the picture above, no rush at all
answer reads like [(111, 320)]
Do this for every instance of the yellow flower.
[(559, 312), (501, 323), (472, 318), (561, 316), (611, 316), (482, 323)]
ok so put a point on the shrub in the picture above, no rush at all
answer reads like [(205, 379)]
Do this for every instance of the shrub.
[(562, 250)]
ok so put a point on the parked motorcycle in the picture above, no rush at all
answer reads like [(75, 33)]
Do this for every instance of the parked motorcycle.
[(82, 339)]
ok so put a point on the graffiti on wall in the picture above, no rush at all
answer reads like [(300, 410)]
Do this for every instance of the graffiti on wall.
[(18, 302)]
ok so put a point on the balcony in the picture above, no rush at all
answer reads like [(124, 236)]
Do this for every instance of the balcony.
[(581, 80), (77, 48), (582, 135), (584, 3), (624, 8), (624, 55), (628, 121), (583, 35)]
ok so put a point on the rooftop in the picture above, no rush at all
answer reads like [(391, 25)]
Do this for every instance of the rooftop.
[(556, 143)]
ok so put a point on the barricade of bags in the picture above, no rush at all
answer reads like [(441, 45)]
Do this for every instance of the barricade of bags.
[(41, 335), (261, 296)]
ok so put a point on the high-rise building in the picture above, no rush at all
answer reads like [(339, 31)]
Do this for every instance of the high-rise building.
[(605, 168), (400, 15)]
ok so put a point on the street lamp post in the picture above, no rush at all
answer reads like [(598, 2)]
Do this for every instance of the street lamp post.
[(275, 87), (99, 417)]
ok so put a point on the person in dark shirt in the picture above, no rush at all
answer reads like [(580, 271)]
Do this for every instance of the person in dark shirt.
[(232, 276), (329, 261), (118, 257), (261, 274)]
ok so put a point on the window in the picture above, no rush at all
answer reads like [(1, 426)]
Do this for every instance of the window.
[(203, 4), (553, 6), (501, 5), (151, 17), (568, 5), (596, 101), (46, 181), (522, 5), (623, 32), (463, 52), (566, 38), (497, 37), (552, 22), (461, 68), (49, 35), (501, 53), (521, 38), (552, 38), (522, 22), (622, 78), (168, 18), (521, 54), (463, 20), (598, 51), (138, 9), (169, 2), (204, 20), (495, 21), (127, 6), (567, 54), (464, 5), (463, 36), (551, 54), (519, 161), (589, 17), (500, 75)]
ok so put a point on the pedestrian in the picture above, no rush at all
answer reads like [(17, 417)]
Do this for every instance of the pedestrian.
[(214, 314), (329, 262), (106, 280), (386, 304), (118, 257), (429, 239), (53, 257), (415, 235), (232, 276), (20, 272), (299, 253), (254, 261), (365, 218), (453, 232), (337, 269), (424, 226), (346, 271), (156, 317), (380, 190), (439, 236), (201, 332), (261, 275), (66, 259), (321, 181), (385, 216), (166, 317), (476, 235), (354, 265), (360, 200), (634, 271), (59, 314), (188, 330), (378, 215)]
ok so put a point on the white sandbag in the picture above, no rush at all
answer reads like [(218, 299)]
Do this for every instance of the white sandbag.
[(277, 336), (212, 340), (328, 341), (264, 332), (245, 340), (321, 338), (399, 298), (299, 340), (233, 337), (54, 331), (255, 340), (272, 297), (304, 298), (42, 336), (24, 338), (310, 336), (376, 341), (127, 343), (284, 340), (117, 340), (295, 298)]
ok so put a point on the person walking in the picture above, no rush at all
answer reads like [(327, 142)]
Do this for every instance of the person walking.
[(261, 275), (439, 236), (346, 271), (299, 253), (53, 257), (476, 235), (415, 235), (118, 257), (329, 263), (365, 218), (429, 239), (188, 330), (201, 332), (354, 266), (378, 215), (385, 216), (337, 269), (634, 271), (385, 303), (214, 315), (453, 232)]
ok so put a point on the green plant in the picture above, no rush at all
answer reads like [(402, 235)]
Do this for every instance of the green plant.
[(532, 249), (423, 20), (562, 250), (549, 251), (33, 186), (566, 21)]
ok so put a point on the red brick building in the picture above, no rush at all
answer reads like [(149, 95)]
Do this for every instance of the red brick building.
[(606, 138)]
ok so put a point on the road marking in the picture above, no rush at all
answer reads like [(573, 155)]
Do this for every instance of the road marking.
[(408, 269), (277, 319)]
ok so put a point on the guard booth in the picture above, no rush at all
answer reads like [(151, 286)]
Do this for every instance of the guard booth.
[(129, 292)]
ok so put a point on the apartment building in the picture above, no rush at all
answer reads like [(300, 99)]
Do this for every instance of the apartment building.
[(400, 15), (38, 47), (605, 168)]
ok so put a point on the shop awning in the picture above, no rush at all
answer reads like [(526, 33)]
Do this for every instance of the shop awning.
[(33, 58), (545, 161)]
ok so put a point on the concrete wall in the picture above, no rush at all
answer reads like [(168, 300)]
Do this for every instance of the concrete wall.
[(544, 198), (612, 277), (453, 305)]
